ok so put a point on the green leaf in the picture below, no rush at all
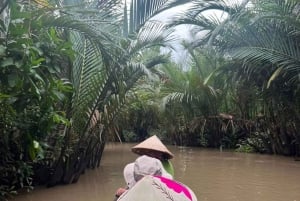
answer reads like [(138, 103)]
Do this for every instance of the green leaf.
[(31, 151), (7, 62), (12, 80), (37, 62), (4, 96), (2, 50), (274, 76), (59, 95)]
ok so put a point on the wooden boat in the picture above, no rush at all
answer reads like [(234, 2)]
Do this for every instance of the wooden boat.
[(156, 188)]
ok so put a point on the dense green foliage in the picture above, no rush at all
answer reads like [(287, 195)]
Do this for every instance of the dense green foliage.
[(75, 74), (259, 79), (241, 87), (32, 94), (64, 76)]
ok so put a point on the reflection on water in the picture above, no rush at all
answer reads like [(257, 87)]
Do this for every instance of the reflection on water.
[(213, 176)]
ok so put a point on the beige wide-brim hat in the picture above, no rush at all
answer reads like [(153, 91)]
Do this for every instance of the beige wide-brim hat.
[(152, 144)]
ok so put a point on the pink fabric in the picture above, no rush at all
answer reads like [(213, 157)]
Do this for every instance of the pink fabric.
[(177, 187)]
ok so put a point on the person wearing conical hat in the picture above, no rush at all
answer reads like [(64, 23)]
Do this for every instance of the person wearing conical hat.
[(153, 147)]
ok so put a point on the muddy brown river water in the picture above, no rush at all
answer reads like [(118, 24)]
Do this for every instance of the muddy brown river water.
[(213, 176)]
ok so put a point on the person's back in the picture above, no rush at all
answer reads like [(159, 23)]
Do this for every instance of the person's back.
[(143, 166), (148, 181), (158, 188)]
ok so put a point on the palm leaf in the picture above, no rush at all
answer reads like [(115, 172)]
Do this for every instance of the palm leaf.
[(3, 6), (152, 34), (141, 11)]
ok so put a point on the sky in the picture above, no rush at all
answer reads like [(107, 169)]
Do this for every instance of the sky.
[(179, 55), (182, 32)]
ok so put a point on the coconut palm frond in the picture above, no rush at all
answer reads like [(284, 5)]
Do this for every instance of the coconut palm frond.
[(193, 15), (278, 49), (88, 77), (152, 34), (199, 7), (134, 71), (102, 38), (210, 26), (3, 6), (140, 11), (269, 39), (157, 60), (173, 97), (200, 22)]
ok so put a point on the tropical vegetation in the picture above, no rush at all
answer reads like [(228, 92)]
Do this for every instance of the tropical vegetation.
[(76, 74)]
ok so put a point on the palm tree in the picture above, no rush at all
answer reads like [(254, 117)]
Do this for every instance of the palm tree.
[(104, 68), (262, 38)]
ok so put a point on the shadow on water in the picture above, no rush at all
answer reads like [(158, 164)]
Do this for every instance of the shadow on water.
[(213, 176)]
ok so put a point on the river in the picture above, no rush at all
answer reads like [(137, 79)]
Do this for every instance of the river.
[(211, 174)]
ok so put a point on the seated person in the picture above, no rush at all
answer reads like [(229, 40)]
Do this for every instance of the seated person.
[(153, 147), (147, 180), (143, 165)]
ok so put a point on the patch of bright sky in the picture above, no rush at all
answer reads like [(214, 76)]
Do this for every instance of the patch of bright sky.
[(183, 32)]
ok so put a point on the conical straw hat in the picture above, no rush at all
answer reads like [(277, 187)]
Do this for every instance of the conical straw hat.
[(152, 144)]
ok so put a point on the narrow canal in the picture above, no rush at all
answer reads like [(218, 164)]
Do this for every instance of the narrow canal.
[(211, 174)]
